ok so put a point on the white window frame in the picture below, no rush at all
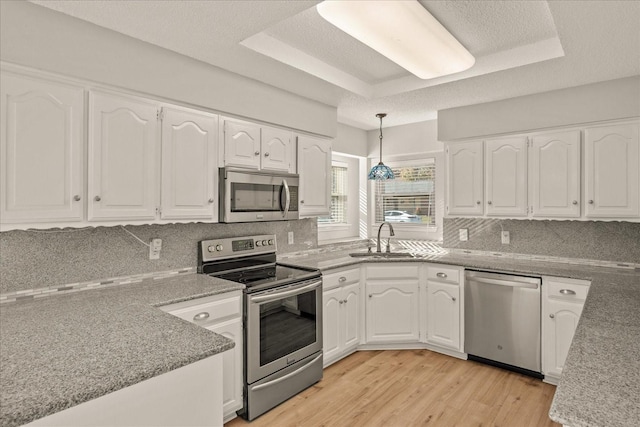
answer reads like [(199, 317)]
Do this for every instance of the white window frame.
[(411, 231), (351, 230)]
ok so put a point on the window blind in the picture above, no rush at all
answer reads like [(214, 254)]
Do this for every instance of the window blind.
[(338, 210)]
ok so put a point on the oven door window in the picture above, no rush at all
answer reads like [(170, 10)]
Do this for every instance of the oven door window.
[(287, 325)]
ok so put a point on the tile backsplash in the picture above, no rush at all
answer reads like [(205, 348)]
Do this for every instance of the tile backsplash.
[(47, 258), (593, 240)]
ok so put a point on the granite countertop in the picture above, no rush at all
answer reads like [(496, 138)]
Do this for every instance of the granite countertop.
[(600, 384), (60, 351)]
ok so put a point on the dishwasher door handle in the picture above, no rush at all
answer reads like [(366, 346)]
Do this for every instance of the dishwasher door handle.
[(513, 284)]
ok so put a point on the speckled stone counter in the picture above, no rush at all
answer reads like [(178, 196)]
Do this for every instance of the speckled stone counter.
[(600, 384), (61, 351)]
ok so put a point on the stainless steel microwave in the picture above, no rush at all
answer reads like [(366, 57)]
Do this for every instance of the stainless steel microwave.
[(248, 196)]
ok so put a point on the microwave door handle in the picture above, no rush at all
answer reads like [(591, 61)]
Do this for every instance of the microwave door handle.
[(287, 202)]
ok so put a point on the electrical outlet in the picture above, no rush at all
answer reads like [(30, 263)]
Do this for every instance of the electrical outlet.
[(464, 234), (154, 248), (290, 237), (505, 237)]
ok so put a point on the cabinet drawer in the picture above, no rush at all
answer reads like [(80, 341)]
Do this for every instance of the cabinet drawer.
[(442, 273), (339, 278), (205, 310), (393, 271), (567, 289)]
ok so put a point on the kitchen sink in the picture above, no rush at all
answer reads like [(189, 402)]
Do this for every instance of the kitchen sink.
[(381, 255)]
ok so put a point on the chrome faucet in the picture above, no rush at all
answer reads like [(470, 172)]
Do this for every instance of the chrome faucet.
[(391, 233)]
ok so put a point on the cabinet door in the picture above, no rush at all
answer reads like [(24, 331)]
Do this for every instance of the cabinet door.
[(241, 144), (232, 379), (276, 149), (506, 176), (188, 164), (554, 171), (331, 326), (612, 162), (123, 162), (351, 316), (314, 167), (392, 312), (443, 315), (561, 319), (41, 150), (465, 178)]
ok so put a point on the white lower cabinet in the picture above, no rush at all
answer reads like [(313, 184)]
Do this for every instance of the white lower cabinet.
[(392, 303), (341, 315), (444, 302), (221, 314), (561, 308), (187, 396)]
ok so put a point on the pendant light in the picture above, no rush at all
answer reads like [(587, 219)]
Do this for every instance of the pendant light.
[(381, 171)]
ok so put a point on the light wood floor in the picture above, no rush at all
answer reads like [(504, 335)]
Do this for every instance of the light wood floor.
[(413, 388)]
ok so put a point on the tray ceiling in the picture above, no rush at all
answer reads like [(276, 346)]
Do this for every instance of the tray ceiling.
[(521, 47)]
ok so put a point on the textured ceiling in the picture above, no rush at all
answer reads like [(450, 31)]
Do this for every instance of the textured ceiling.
[(521, 47)]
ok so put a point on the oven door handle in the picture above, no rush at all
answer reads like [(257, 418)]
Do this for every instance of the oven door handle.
[(289, 292), (287, 201), (289, 375)]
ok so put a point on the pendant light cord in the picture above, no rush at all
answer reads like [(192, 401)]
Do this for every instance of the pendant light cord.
[(381, 138)]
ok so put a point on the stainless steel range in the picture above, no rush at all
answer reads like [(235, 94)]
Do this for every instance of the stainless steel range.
[(282, 318)]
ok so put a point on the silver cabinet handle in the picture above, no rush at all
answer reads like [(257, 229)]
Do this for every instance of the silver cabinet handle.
[(342, 279), (341, 302), (266, 154), (302, 202), (489, 202), (441, 275), (201, 316), (76, 198), (575, 202), (211, 200), (97, 198), (551, 315), (453, 298), (567, 292), (590, 202), (478, 202), (370, 295), (257, 153), (344, 301)]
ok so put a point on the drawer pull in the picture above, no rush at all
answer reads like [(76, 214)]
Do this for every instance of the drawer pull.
[(441, 275), (201, 316), (342, 279), (567, 292), (551, 315)]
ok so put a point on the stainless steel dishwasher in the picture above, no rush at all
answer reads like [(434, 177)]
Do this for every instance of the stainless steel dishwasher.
[(502, 320)]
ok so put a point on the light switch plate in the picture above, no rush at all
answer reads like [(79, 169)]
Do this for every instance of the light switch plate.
[(290, 237), (505, 237), (464, 234), (154, 248)]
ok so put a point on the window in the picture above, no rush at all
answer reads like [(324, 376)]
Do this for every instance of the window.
[(410, 198), (339, 187)]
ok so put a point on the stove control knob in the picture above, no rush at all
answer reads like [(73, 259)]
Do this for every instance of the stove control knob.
[(218, 248), (270, 242), (264, 243), (211, 248), (258, 243)]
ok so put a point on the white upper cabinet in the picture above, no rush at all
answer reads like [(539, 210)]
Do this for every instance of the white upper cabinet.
[(314, 167), (123, 159), (241, 144), (276, 150), (465, 178), (189, 144), (41, 150), (506, 176), (554, 170), (249, 145), (611, 171)]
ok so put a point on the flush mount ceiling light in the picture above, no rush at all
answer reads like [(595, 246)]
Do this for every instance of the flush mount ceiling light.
[(381, 171), (403, 31)]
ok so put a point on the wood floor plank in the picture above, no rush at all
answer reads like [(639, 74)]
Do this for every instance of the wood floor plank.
[(413, 388)]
